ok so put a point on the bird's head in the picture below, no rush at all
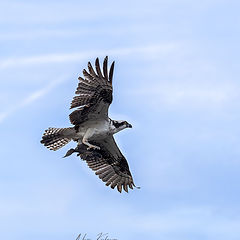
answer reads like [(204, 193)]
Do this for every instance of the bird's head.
[(120, 125)]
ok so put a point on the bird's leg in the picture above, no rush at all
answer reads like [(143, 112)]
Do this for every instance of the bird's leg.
[(79, 143), (89, 133)]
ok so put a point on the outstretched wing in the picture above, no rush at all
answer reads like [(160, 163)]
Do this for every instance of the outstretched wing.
[(109, 164), (94, 94)]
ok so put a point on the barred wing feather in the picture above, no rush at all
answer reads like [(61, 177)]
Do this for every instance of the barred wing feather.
[(109, 164), (93, 94)]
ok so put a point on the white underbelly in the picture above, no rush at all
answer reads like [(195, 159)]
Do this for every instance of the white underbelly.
[(100, 129)]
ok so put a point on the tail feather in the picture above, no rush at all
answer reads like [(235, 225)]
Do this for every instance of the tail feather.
[(55, 138)]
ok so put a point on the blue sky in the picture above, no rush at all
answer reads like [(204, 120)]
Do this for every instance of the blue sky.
[(176, 80)]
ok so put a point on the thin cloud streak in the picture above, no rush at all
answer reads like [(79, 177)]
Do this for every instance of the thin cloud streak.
[(188, 219), (176, 94), (72, 57), (69, 33), (150, 50), (31, 98)]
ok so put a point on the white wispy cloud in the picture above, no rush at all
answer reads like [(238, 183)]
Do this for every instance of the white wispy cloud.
[(136, 28), (31, 98), (180, 94), (186, 220), (4, 115), (72, 57)]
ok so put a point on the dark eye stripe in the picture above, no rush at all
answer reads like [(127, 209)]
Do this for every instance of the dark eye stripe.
[(117, 124)]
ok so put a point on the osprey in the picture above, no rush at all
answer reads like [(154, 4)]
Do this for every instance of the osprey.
[(93, 130)]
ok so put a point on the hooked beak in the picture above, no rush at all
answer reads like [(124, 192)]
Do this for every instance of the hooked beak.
[(129, 125)]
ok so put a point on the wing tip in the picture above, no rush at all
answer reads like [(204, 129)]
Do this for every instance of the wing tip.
[(136, 186), (105, 71), (98, 68), (119, 188), (111, 72)]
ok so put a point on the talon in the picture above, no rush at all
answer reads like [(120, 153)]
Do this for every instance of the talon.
[(93, 147)]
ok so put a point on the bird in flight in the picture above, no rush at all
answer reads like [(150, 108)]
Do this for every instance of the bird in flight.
[(93, 129)]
